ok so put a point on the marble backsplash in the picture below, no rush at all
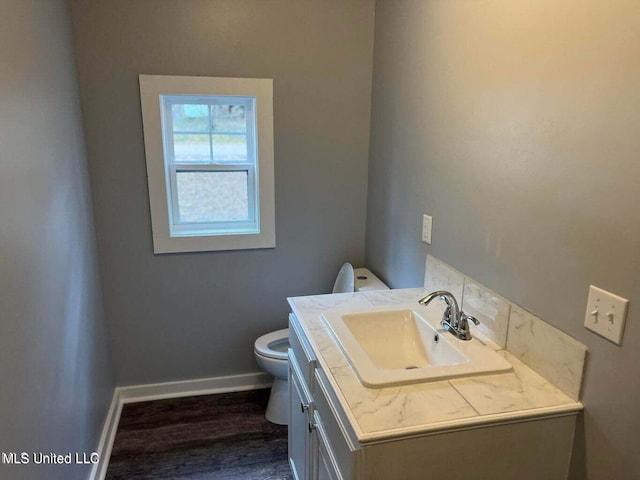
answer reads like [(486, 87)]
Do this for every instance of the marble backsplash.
[(552, 353)]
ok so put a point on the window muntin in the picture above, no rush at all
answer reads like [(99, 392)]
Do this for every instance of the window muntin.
[(211, 166)]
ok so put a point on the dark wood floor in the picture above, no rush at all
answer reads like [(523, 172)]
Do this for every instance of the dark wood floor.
[(222, 436)]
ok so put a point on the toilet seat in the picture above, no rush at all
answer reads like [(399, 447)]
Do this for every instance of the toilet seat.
[(273, 345)]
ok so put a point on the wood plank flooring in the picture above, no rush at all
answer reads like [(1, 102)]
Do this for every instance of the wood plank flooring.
[(222, 436)]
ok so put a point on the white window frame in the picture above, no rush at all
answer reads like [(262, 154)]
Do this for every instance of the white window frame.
[(169, 235)]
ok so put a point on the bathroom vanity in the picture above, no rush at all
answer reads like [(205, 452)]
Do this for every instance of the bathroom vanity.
[(508, 425)]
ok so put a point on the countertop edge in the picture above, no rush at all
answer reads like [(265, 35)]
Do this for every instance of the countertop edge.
[(473, 422)]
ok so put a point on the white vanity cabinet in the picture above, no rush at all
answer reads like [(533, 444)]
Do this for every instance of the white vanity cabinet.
[(313, 430), (303, 442), (300, 422), (324, 445)]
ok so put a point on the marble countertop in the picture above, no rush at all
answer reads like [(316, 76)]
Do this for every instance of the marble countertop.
[(380, 413)]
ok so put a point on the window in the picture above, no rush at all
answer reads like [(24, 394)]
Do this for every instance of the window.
[(209, 149)]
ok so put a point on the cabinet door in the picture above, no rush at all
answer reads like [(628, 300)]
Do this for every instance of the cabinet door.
[(299, 420), (324, 462)]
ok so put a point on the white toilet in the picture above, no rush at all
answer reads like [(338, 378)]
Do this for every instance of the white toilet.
[(271, 349)]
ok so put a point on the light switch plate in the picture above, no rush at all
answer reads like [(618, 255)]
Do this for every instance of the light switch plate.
[(427, 222), (606, 314)]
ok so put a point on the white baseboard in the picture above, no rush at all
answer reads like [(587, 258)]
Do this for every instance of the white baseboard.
[(159, 391), (189, 388), (99, 470)]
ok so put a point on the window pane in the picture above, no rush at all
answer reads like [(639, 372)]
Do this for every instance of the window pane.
[(191, 148), (212, 196), (228, 118), (190, 118), (230, 148)]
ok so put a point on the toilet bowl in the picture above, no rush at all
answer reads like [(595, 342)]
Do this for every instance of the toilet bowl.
[(271, 349), (271, 354)]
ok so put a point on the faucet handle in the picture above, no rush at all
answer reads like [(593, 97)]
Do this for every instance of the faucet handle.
[(470, 318)]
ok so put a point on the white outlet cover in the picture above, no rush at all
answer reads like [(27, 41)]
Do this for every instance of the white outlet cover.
[(606, 314), (427, 222)]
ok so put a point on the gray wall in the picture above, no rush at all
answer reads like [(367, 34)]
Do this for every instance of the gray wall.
[(55, 381), (516, 125), (183, 316)]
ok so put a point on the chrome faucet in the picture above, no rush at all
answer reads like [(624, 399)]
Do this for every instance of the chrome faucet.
[(454, 320)]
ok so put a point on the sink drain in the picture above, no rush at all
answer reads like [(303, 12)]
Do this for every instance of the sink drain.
[(410, 367)]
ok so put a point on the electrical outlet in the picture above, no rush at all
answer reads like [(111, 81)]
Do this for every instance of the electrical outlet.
[(606, 314), (427, 222)]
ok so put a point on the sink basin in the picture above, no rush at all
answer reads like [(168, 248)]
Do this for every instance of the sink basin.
[(405, 344)]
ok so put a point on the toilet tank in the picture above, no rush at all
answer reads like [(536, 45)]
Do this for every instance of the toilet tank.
[(365, 281)]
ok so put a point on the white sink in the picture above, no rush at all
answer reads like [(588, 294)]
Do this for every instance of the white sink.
[(403, 344)]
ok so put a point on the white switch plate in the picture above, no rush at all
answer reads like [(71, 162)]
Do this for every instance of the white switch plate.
[(427, 221), (606, 314)]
